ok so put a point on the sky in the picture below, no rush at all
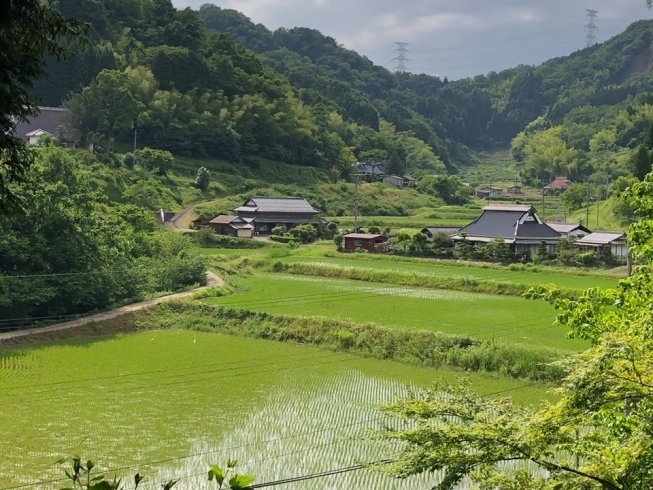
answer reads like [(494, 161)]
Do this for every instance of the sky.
[(453, 38)]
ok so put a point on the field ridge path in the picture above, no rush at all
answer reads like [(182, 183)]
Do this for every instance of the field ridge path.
[(212, 279)]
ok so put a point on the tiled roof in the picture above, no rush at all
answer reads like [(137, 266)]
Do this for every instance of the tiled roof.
[(260, 204), (566, 227), (371, 168), (48, 119), (508, 222)]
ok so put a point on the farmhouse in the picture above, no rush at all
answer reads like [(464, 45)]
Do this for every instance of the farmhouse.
[(200, 223), (53, 121), (231, 226), (559, 184), (519, 226), (371, 171), (514, 189), (370, 242), (614, 241), (266, 213), (569, 230), (489, 192), (431, 231)]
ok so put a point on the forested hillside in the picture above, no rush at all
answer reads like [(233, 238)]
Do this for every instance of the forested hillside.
[(605, 87), (213, 83)]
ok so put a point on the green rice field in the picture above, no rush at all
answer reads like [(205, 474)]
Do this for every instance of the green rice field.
[(424, 266), (482, 316), (168, 403)]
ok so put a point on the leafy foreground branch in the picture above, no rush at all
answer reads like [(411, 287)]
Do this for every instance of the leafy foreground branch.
[(598, 436), (82, 477)]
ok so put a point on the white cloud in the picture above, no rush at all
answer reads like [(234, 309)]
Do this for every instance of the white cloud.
[(456, 38)]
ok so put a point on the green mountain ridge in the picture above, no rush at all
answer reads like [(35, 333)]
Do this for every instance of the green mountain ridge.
[(211, 83)]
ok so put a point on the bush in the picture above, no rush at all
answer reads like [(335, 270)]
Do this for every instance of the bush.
[(305, 233), (338, 240), (282, 239), (278, 231)]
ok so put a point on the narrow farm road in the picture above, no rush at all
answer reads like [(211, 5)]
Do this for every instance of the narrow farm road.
[(212, 280), (177, 218)]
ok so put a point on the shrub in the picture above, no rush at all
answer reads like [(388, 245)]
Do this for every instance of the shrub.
[(338, 240), (206, 237), (305, 233), (283, 239), (278, 231)]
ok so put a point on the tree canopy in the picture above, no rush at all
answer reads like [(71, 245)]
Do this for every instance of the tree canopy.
[(29, 29)]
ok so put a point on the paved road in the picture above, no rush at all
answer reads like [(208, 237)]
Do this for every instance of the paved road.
[(212, 280), (174, 221)]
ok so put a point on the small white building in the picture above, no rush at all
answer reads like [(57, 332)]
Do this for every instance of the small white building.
[(615, 241), (33, 137)]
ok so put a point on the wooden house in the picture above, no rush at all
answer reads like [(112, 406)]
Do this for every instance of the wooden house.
[(518, 226), (489, 192), (266, 213), (514, 189), (366, 241), (231, 226)]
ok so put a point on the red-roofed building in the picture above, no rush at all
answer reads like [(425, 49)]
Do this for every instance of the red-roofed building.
[(559, 184)]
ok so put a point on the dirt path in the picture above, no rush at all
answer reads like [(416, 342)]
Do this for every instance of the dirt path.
[(212, 280), (174, 221)]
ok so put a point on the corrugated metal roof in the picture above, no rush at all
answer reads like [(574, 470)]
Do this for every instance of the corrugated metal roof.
[(439, 229), (602, 238), (363, 236), (223, 219), (260, 204), (508, 207)]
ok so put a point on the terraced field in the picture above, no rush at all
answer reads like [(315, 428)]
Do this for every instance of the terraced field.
[(168, 403), (425, 266), (482, 316)]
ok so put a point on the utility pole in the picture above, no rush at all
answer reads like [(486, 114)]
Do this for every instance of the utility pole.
[(356, 206), (591, 28), (401, 59), (587, 208)]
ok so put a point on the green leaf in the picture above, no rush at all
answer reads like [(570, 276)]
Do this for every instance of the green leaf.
[(98, 478), (231, 463), (89, 465), (217, 473), (169, 485), (138, 479), (238, 482)]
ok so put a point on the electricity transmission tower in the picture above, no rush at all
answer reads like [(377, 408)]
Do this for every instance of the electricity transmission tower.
[(401, 59), (591, 27)]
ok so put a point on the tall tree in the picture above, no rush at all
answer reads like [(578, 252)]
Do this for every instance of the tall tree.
[(641, 162), (29, 29)]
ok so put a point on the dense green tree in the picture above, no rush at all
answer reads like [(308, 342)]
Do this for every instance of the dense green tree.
[(159, 161), (203, 179), (574, 197), (69, 252), (29, 29), (641, 162)]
